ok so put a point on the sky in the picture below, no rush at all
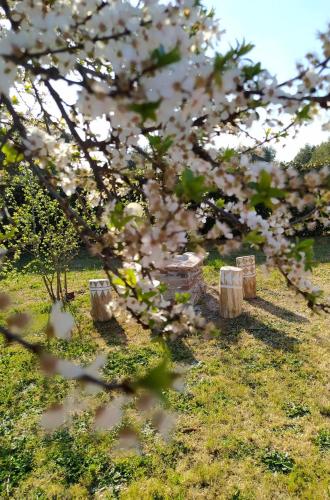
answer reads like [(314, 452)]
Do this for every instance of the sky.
[(283, 31)]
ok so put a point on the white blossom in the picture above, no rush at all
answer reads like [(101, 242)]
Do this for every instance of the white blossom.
[(62, 322)]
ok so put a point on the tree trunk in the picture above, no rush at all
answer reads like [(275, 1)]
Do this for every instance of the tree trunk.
[(49, 289)]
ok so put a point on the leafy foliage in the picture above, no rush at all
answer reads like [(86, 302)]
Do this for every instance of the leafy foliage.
[(265, 192), (296, 410), (323, 439), (163, 58), (310, 157), (11, 155), (277, 461), (304, 250), (304, 156), (15, 463), (191, 187), (147, 110)]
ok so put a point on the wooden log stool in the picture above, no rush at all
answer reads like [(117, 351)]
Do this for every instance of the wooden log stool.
[(231, 291), (100, 299), (248, 265)]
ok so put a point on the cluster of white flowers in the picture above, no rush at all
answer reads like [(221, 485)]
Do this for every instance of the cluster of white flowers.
[(42, 146)]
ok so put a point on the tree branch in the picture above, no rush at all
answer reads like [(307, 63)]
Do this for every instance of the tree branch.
[(38, 350)]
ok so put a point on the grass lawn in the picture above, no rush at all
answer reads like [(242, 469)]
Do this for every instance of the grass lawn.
[(253, 422)]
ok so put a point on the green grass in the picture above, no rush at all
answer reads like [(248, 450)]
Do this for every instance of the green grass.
[(253, 422)]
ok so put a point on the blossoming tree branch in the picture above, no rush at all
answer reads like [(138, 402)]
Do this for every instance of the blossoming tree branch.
[(125, 100)]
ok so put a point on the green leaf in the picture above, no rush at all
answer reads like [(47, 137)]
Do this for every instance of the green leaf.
[(305, 247), (227, 154), (129, 276), (182, 298), (265, 180), (147, 110), (145, 296), (117, 219), (191, 187), (276, 193), (223, 62), (268, 132), (243, 48), (251, 71), (158, 379), (11, 154), (9, 233), (160, 145), (303, 114), (254, 238), (258, 199), (220, 63), (162, 288), (163, 58), (264, 191), (220, 203), (118, 282)]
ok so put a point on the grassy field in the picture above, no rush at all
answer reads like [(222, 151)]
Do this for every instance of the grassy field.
[(253, 422)]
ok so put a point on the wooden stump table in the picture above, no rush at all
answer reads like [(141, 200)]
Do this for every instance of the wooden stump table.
[(231, 291), (248, 265), (100, 299)]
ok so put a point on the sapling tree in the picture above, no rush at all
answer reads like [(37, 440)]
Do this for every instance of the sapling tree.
[(35, 224), (126, 100)]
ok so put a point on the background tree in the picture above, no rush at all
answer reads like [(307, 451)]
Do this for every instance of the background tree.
[(304, 155), (321, 154), (312, 157), (266, 153), (36, 224)]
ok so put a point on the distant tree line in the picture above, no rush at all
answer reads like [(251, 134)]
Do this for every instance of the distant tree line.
[(309, 157)]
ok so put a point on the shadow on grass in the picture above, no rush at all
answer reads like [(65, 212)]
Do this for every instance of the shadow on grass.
[(111, 331), (180, 352), (280, 312), (231, 328), (274, 338)]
